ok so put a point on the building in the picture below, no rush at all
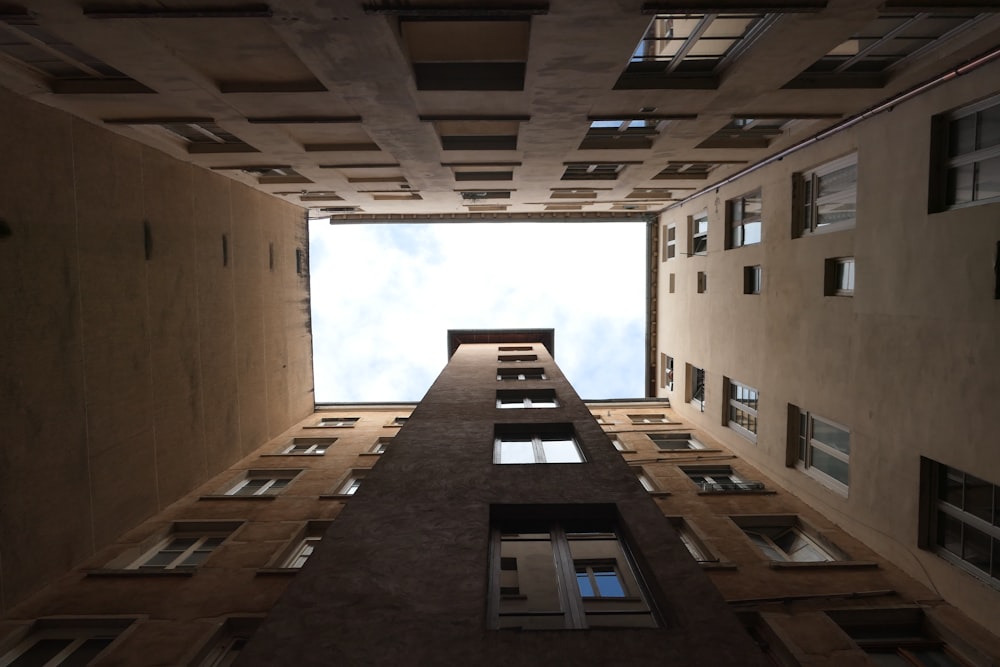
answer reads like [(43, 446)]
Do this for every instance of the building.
[(819, 179)]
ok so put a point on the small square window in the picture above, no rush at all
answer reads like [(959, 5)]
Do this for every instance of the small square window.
[(541, 398), (546, 444), (702, 282), (338, 422), (786, 539), (656, 418), (520, 374), (838, 278), (753, 278)]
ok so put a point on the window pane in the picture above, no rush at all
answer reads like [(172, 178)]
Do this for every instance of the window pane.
[(988, 178), (561, 451), (751, 233), (829, 434), (962, 135), (989, 127), (41, 652), (950, 533), (82, 656), (960, 181), (833, 467), (583, 582), (979, 497), (952, 484), (932, 657), (976, 548), (516, 451), (539, 591), (765, 547), (608, 583)]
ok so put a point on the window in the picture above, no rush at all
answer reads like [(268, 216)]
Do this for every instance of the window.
[(699, 233), (351, 483), (670, 283), (68, 642), (226, 646), (694, 170), (515, 348), (745, 224), (753, 278), (187, 546), (380, 446), (670, 243), (719, 479), (562, 575), (262, 483), (674, 441), (667, 369), (338, 422), (744, 132), (867, 57), (742, 412), (399, 421), (823, 449), (784, 539), (838, 278), (695, 546), (621, 133), (592, 171), (828, 196), (960, 520), (897, 637), (541, 398), (547, 445), (702, 282), (617, 443), (647, 481), (308, 446), (969, 156), (304, 545), (517, 357), (520, 374), (658, 418), (696, 386)]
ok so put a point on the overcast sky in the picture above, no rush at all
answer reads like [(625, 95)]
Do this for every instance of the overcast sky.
[(384, 297)]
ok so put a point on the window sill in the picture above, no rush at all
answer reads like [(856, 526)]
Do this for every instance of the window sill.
[(325, 428), (187, 572), (739, 492), (296, 455), (824, 564), (224, 497)]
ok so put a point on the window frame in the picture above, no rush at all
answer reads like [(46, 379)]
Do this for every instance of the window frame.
[(692, 541), (805, 443), (719, 479), (337, 422), (276, 481), (140, 564), (311, 447), (696, 391), (807, 201), (736, 218), (753, 524), (77, 630), (573, 609), (702, 282), (675, 436), (753, 279), (537, 438), (541, 399), (697, 236), (944, 162), (833, 284), (667, 372), (520, 374), (735, 405), (669, 242)]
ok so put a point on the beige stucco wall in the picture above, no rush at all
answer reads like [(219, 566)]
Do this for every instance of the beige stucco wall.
[(126, 381), (908, 364)]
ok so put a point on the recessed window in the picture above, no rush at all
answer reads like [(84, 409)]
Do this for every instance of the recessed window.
[(308, 446), (967, 169), (646, 480), (702, 282), (742, 413), (696, 386), (399, 421), (338, 422), (187, 547), (546, 445), (542, 398), (694, 544), (823, 449), (675, 441), (380, 446), (671, 283), (262, 483), (867, 58), (745, 223), (227, 644), (961, 519), (898, 637), (670, 242), (515, 348), (520, 374), (692, 170), (304, 545), (699, 233), (351, 482), (621, 133), (564, 575), (828, 196), (746, 132), (719, 479), (657, 418), (785, 539), (592, 171), (753, 279), (617, 443), (666, 372), (69, 642), (517, 357), (838, 278)]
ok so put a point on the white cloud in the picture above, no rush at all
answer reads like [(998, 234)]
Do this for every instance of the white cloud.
[(384, 296)]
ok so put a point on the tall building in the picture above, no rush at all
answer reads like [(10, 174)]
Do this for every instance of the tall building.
[(820, 183)]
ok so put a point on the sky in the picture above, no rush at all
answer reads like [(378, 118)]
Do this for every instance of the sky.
[(384, 297)]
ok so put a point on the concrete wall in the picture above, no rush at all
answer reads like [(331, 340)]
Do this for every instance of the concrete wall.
[(126, 380), (908, 363)]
